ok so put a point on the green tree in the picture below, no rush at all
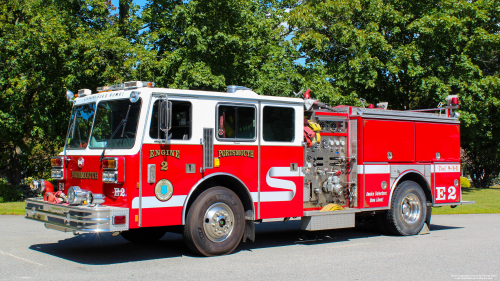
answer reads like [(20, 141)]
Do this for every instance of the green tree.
[(411, 54), (47, 47), (204, 44)]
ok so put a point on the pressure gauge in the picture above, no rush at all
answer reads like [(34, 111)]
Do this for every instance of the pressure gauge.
[(326, 143), (337, 142), (333, 127)]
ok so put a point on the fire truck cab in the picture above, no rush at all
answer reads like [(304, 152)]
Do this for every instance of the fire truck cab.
[(140, 161)]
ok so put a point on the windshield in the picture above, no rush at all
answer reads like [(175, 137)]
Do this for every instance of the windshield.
[(121, 116), (80, 126)]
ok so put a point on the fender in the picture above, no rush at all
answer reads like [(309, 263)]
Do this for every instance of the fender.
[(396, 181), (184, 207)]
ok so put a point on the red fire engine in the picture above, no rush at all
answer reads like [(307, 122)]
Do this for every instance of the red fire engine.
[(140, 161)]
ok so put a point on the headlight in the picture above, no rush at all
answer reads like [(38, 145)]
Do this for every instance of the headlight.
[(34, 185), (110, 176), (76, 195), (57, 174), (37, 186)]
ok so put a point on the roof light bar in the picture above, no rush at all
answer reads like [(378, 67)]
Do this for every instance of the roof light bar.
[(126, 86), (138, 84)]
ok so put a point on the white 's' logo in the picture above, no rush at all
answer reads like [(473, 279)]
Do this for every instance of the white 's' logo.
[(288, 185)]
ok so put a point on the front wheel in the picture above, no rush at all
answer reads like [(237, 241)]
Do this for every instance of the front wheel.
[(215, 222), (408, 209)]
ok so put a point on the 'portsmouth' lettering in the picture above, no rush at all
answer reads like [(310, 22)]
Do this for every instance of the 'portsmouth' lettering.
[(243, 153), (84, 175)]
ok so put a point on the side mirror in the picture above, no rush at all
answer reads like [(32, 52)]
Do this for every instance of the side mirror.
[(165, 115)]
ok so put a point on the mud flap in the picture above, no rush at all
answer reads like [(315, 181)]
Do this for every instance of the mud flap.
[(428, 217), (249, 231)]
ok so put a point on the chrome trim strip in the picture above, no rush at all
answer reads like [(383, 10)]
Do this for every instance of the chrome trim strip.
[(330, 213), (454, 203), (405, 115), (146, 122), (374, 209), (183, 219)]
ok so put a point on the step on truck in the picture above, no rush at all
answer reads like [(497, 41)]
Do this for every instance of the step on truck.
[(139, 161)]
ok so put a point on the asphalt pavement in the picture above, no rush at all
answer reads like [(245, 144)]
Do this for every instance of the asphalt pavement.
[(459, 247)]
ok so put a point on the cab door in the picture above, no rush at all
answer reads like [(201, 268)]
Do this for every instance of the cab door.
[(170, 162), (281, 160)]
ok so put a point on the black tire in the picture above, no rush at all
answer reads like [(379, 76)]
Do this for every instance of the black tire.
[(215, 222), (144, 235), (408, 209)]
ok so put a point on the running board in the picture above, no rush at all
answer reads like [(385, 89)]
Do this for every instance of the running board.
[(316, 220), (454, 203)]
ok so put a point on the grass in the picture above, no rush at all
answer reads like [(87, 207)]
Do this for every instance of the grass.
[(14, 208), (487, 201)]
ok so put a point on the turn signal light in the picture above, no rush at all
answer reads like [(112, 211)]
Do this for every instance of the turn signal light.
[(110, 163), (57, 161)]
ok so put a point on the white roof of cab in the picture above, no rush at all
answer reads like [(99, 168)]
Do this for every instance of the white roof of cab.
[(243, 95)]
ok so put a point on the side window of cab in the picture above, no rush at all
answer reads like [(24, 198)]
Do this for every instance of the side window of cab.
[(278, 124), (236, 122), (181, 121)]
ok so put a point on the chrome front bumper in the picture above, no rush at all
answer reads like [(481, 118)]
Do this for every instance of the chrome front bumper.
[(75, 218)]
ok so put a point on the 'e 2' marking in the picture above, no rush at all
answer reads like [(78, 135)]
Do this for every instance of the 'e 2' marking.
[(441, 193), (119, 191)]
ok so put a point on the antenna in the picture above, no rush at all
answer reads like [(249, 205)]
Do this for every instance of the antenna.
[(299, 93), (362, 101)]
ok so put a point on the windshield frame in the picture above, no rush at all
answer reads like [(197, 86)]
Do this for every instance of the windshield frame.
[(137, 133), (72, 126)]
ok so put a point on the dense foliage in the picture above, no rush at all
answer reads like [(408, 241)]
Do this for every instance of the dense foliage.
[(412, 54), (409, 53), (208, 45), (47, 47)]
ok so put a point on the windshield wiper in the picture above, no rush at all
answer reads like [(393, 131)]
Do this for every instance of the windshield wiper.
[(122, 123)]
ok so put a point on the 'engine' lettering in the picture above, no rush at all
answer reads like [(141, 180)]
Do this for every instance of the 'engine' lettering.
[(157, 152)]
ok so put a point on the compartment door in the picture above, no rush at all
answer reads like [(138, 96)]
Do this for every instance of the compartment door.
[(388, 141)]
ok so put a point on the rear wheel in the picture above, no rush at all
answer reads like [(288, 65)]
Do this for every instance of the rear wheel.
[(408, 209), (144, 235), (215, 222)]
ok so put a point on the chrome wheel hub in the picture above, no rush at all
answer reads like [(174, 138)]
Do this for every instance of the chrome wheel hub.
[(410, 208), (218, 222)]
